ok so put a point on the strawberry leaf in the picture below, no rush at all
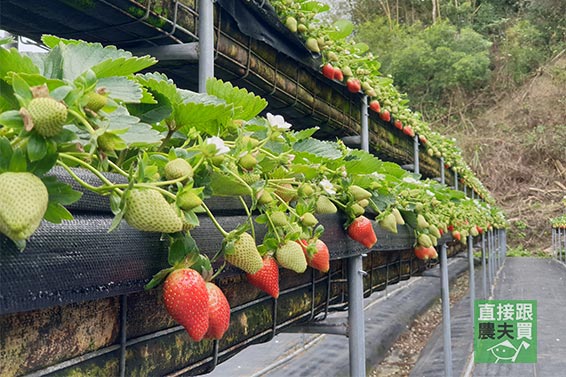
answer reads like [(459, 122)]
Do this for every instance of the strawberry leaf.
[(36, 147), (121, 88), (323, 149), (56, 213), (60, 192), (246, 105), (158, 278), (13, 61)]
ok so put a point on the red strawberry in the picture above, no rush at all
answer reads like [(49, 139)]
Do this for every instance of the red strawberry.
[(398, 124), (456, 235), (218, 312), (450, 228), (374, 105), (267, 279), (361, 230), (407, 130), (425, 253), (338, 75), (328, 71), (479, 229), (385, 116), (423, 139), (441, 231), (320, 259), (354, 85), (186, 299)]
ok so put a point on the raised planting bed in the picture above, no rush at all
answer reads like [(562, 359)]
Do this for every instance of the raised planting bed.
[(73, 301), (271, 63)]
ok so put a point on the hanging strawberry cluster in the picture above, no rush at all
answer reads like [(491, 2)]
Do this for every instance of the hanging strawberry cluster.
[(84, 106), (349, 62)]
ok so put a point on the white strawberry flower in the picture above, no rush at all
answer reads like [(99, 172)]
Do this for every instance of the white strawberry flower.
[(377, 176), (278, 121), (327, 186), (221, 148), (410, 180)]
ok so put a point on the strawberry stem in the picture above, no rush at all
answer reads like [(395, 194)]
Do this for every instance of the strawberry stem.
[(95, 171), (83, 121), (214, 221), (80, 181), (273, 227), (249, 215), (218, 271)]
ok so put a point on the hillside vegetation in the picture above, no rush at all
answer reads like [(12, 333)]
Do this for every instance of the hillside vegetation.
[(492, 73)]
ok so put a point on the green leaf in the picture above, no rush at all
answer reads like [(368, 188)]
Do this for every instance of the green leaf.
[(178, 250), (410, 218), (21, 88), (159, 83), (60, 192), (37, 147), (158, 278), (318, 148), (121, 88), (136, 134), (12, 119), (5, 154), (7, 99), (56, 213), (116, 221), (223, 185), (46, 163), (305, 134), (18, 162), (341, 29), (246, 105), (13, 61), (79, 56)]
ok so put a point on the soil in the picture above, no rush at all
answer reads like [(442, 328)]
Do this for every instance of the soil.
[(401, 358)]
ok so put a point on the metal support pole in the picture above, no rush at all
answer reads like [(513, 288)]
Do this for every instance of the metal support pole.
[(442, 172), (365, 129), (473, 194), (466, 190), (416, 154), (206, 43), (455, 180), (356, 317), (483, 267), (472, 282), (446, 328)]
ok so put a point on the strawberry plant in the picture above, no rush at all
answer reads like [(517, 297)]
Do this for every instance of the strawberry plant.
[(175, 149)]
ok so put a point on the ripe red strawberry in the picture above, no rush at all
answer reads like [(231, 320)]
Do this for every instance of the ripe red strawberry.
[(328, 71), (456, 235), (361, 230), (218, 312), (423, 139), (186, 299), (479, 229), (338, 75), (398, 124), (385, 116), (375, 106), (450, 228), (407, 130), (321, 259), (267, 279), (353, 85), (425, 253)]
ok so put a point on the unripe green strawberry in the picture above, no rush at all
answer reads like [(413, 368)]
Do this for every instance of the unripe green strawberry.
[(251, 178), (48, 115), (433, 239), (245, 255), (265, 197), (325, 205), (286, 192), (389, 223), (359, 193), (290, 255), (474, 231), (291, 23), (308, 219), (279, 218), (306, 190), (186, 299), (250, 141), (95, 101), (363, 203), (178, 168), (248, 162), (433, 230), (357, 209), (188, 200), (147, 210), (424, 240), (422, 223), (23, 202), (312, 45), (398, 217)]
